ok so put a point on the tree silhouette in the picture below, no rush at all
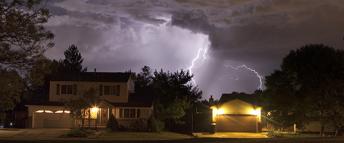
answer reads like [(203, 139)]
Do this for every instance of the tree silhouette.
[(172, 93), (308, 86), (22, 35), (10, 92), (73, 60)]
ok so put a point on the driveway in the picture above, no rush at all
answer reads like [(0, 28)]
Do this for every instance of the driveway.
[(231, 135)]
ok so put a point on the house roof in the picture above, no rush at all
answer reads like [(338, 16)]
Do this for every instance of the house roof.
[(48, 103), (249, 98), (93, 76)]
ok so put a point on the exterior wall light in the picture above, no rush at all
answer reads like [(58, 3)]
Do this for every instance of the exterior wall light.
[(94, 112)]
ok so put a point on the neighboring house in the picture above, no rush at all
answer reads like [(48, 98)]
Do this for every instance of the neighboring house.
[(237, 112), (116, 91)]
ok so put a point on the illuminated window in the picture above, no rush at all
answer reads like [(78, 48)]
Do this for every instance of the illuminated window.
[(67, 111), (39, 111), (48, 111), (59, 111)]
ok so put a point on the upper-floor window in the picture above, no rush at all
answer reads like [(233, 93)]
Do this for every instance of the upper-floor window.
[(110, 90), (66, 89)]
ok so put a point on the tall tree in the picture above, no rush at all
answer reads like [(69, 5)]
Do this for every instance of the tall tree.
[(308, 84), (22, 35), (36, 80), (81, 102), (10, 92), (73, 60), (172, 93)]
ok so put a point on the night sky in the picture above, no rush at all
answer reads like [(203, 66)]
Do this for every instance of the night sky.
[(223, 42)]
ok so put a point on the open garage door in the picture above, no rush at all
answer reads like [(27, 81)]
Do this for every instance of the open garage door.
[(236, 123), (52, 120)]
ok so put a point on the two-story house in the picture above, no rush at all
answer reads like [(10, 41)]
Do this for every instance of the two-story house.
[(114, 90)]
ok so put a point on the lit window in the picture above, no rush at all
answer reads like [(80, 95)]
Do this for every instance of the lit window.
[(39, 111), (48, 111), (67, 111), (59, 111)]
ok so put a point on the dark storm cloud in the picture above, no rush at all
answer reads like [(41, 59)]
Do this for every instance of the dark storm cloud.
[(127, 34)]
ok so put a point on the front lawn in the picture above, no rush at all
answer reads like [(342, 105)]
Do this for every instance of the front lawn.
[(142, 136)]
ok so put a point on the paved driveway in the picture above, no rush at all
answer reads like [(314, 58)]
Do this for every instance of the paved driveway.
[(231, 135)]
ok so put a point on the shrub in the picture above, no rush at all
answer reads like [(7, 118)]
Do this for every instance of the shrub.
[(139, 125), (112, 124), (155, 125)]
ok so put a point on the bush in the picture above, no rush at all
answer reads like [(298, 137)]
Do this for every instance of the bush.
[(155, 125), (77, 133), (139, 125), (112, 124)]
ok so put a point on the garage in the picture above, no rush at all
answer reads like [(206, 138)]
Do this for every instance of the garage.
[(52, 119), (236, 123), (236, 112)]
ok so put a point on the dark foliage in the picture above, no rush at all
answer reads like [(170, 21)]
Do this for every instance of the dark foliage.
[(73, 60), (172, 93), (22, 35), (112, 124), (309, 86)]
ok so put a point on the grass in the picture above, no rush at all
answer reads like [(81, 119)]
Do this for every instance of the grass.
[(53, 136), (143, 136)]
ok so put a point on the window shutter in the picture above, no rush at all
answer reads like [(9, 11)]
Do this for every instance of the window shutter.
[(57, 89), (101, 90)]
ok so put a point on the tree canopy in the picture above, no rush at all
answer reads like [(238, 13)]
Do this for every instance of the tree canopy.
[(11, 90), (23, 37), (73, 60), (308, 86), (172, 93)]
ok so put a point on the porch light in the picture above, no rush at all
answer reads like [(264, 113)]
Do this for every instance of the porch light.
[(217, 111), (255, 111), (94, 112)]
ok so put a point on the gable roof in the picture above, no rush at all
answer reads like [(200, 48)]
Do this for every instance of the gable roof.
[(93, 76), (249, 98)]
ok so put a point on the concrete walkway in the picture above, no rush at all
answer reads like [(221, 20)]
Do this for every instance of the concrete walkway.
[(231, 135)]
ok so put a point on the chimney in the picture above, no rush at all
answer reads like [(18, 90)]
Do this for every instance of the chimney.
[(95, 70)]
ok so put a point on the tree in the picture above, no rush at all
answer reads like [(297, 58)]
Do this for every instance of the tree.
[(308, 85), (36, 79), (81, 102), (23, 37), (112, 123), (172, 93), (10, 92), (73, 60)]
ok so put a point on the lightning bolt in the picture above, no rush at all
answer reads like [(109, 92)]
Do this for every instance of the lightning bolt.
[(260, 78), (201, 54)]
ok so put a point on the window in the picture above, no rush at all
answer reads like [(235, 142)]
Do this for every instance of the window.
[(100, 90), (129, 113), (68, 89), (111, 90), (132, 113), (138, 112)]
